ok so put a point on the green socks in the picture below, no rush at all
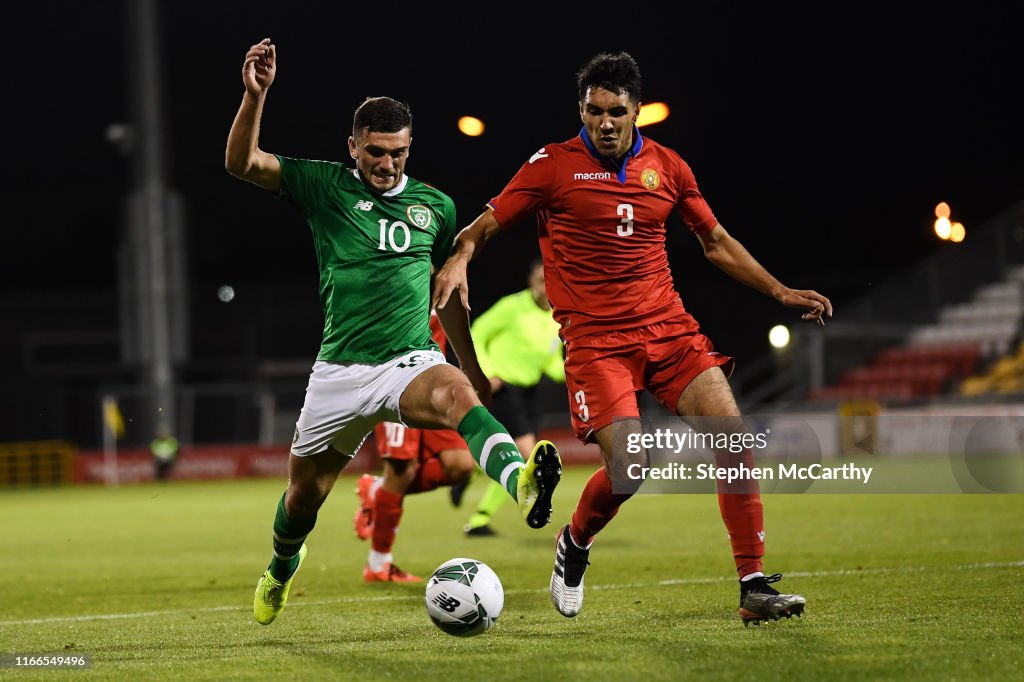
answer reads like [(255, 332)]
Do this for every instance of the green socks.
[(289, 534), (492, 448)]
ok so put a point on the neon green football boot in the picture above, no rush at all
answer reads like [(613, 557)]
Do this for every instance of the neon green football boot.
[(537, 482), (272, 595)]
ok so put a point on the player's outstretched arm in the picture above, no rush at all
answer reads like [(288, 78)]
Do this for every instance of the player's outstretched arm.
[(469, 242), (729, 255), (243, 157)]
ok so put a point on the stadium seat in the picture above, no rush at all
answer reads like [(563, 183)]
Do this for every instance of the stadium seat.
[(942, 356), (1006, 375)]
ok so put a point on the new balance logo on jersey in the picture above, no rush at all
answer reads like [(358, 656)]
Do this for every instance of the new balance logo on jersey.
[(539, 155), (591, 176), (364, 205), (760, 535)]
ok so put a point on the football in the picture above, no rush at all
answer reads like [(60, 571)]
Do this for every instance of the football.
[(464, 597)]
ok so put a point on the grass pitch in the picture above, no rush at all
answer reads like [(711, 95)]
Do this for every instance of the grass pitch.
[(156, 582)]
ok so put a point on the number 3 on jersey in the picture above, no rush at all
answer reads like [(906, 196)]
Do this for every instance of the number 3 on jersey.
[(581, 400), (625, 226)]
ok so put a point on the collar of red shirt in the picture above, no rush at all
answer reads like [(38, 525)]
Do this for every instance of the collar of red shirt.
[(612, 164)]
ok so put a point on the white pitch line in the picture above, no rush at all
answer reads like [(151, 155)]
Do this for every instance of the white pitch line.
[(822, 574), (623, 586)]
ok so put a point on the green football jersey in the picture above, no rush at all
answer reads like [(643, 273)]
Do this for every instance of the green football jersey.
[(374, 252)]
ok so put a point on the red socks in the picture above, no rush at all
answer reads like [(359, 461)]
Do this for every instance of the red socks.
[(740, 504), (597, 506), (387, 512), (387, 506)]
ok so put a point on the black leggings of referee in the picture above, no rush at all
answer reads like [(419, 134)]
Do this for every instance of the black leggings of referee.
[(516, 408)]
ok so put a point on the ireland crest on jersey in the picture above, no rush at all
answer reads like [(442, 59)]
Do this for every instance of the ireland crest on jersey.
[(419, 215)]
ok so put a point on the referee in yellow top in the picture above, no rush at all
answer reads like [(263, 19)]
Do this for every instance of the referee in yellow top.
[(517, 343)]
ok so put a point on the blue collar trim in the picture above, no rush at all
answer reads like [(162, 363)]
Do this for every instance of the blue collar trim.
[(612, 164)]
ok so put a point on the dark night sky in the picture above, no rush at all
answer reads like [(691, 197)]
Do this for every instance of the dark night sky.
[(822, 141)]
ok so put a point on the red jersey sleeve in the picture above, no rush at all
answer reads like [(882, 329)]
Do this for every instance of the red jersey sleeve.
[(527, 192), (690, 204)]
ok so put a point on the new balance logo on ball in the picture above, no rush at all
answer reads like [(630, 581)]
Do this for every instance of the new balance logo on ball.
[(364, 205), (591, 176)]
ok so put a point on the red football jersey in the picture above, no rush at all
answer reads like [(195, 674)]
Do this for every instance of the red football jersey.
[(602, 230)]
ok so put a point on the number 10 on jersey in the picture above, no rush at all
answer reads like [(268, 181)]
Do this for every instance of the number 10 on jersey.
[(387, 235)]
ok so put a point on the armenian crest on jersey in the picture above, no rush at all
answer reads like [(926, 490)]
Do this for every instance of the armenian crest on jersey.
[(419, 215), (650, 178)]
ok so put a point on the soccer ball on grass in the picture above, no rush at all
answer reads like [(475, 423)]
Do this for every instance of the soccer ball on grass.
[(464, 597)]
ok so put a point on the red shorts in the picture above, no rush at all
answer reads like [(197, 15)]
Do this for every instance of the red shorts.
[(604, 371), (395, 441)]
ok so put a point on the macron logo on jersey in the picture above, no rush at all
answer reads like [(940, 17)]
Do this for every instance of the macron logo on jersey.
[(539, 155), (591, 176), (364, 205)]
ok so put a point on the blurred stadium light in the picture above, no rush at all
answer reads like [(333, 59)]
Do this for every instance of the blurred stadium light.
[(651, 113), (778, 336), (471, 126), (957, 233), (946, 230)]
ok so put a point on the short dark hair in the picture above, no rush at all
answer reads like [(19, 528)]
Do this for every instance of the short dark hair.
[(381, 115), (614, 71)]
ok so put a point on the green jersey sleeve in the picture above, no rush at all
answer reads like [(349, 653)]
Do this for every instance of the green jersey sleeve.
[(304, 182)]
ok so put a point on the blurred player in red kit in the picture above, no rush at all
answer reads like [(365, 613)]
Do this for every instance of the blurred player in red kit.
[(601, 201), (415, 461)]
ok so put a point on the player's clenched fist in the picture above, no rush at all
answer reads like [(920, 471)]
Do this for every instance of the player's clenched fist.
[(259, 67)]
